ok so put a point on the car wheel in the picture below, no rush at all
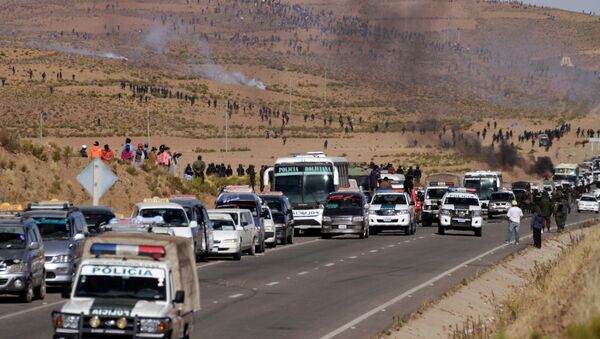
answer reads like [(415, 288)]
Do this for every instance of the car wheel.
[(40, 292), (27, 295), (441, 230), (325, 236), (252, 250), (578, 211), (273, 244), (478, 232), (238, 255)]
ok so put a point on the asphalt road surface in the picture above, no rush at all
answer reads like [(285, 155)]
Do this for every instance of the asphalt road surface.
[(343, 287)]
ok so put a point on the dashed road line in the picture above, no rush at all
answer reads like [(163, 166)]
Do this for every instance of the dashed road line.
[(236, 295), (329, 264), (273, 283), (303, 273), (8, 316)]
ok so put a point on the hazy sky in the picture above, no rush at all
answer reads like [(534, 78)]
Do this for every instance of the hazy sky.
[(572, 5)]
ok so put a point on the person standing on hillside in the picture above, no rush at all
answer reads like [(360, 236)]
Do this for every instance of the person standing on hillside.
[(107, 154), (96, 151), (139, 156), (198, 167), (252, 173), (514, 216), (547, 209), (537, 224)]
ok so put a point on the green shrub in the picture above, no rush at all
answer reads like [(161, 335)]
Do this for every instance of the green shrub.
[(9, 141)]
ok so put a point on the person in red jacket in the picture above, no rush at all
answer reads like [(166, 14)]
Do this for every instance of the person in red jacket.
[(107, 154), (95, 151)]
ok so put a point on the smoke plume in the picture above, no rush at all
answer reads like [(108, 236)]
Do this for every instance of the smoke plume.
[(81, 51)]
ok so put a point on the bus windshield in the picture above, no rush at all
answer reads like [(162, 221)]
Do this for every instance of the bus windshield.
[(484, 186), (304, 184)]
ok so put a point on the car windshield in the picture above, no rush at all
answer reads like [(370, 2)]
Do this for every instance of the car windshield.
[(128, 282), (12, 237), (53, 228), (588, 199), (484, 186), (502, 197), (461, 201), (276, 208), (95, 219), (223, 225), (389, 199), (245, 205), (436, 193), (265, 214), (175, 217), (343, 205)]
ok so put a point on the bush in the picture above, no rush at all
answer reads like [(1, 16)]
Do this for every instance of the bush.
[(9, 141), (56, 155), (131, 170)]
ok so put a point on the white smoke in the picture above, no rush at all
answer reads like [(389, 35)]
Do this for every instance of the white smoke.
[(217, 73), (81, 51)]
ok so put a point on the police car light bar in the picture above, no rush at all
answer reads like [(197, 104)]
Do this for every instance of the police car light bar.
[(156, 200), (238, 189), (441, 183), (154, 252), (461, 190)]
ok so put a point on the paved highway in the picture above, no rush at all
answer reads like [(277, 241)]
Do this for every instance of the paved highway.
[(343, 287)]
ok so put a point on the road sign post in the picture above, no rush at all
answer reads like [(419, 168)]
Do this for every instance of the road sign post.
[(96, 178)]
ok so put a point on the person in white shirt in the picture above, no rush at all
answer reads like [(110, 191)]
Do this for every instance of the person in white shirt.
[(514, 215)]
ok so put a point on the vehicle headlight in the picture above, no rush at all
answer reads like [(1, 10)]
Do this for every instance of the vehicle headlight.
[(476, 213), (445, 212), (230, 241), (63, 320), (62, 259), (154, 325), (17, 268), (326, 219), (400, 212), (358, 219), (269, 228)]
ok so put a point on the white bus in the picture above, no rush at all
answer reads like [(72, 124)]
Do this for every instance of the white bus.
[(307, 179), (485, 183)]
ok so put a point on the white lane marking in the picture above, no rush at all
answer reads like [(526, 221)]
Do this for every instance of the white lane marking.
[(201, 266), (421, 237), (408, 294), (373, 251), (352, 257), (273, 283), (406, 240), (329, 264), (392, 245), (303, 273), (236, 295), (7, 316)]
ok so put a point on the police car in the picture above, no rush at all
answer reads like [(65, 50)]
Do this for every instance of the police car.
[(132, 285), (391, 210), (434, 192), (460, 209)]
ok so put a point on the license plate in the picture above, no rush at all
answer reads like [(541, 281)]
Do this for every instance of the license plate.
[(462, 220), (341, 227), (387, 219)]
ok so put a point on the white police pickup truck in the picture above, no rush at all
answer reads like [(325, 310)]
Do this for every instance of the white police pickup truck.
[(460, 209), (132, 285)]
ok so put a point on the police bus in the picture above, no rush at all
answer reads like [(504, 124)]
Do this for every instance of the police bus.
[(484, 183), (307, 179)]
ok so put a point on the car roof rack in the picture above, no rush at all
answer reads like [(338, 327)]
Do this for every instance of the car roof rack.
[(49, 205)]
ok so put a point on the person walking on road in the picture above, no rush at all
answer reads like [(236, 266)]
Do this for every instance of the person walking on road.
[(537, 224), (198, 167), (514, 216), (547, 209), (560, 214)]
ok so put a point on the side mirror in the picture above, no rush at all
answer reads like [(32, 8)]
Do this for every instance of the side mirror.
[(179, 297), (34, 245), (79, 237), (367, 206), (65, 292), (193, 224)]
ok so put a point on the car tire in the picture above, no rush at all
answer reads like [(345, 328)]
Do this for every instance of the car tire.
[(40, 291), (373, 231), (27, 295), (478, 232), (441, 230), (578, 211), (325, 236), (272, 245), (238, 255), (252, 250)]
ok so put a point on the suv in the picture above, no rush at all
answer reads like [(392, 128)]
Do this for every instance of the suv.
[(196, 211), (244, 225), (460, 209), (63, 230), (500, 202), (283, 217), (345, 213), (21, 259), (433, 194), (247, 201), (97, 217), (391, 210), (169, 217)]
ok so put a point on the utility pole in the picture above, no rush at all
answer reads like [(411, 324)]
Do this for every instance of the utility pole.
[(226, 131), (290, 95), (148, 125), (42, 128)]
